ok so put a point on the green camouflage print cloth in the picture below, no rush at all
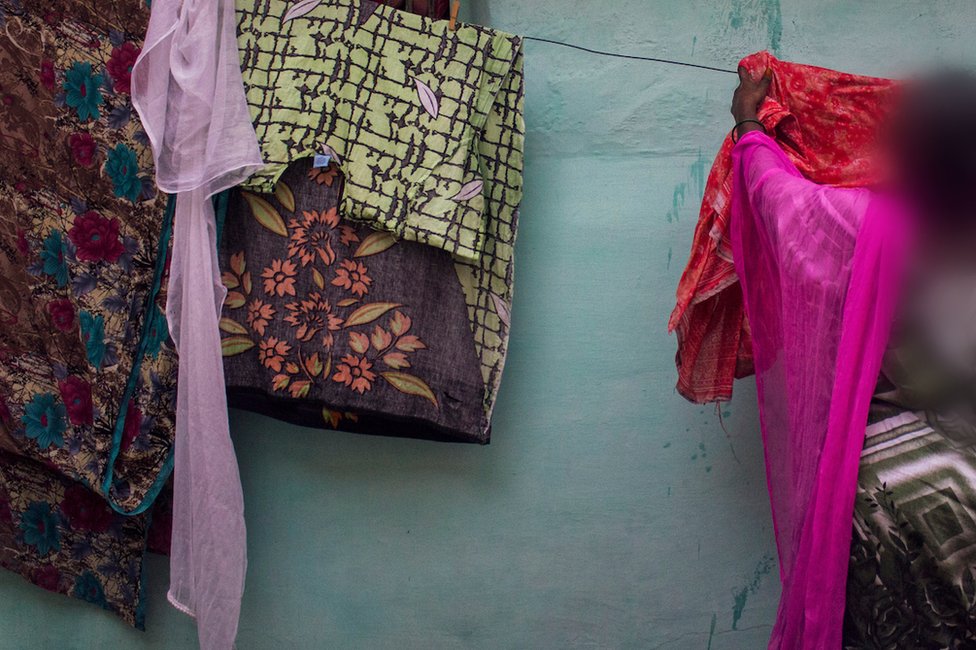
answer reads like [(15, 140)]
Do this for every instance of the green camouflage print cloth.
[(425, 124), (912, 576)]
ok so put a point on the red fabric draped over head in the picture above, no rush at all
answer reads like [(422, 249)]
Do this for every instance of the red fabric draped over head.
[(826, 122)]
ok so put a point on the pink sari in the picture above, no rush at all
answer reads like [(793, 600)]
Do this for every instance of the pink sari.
[(819, 271)]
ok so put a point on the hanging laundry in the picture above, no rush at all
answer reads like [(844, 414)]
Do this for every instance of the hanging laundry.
[(87, 374), (203, 143), (826, 122), (430, 153), (408, 109), (160, 530), (341, 326)]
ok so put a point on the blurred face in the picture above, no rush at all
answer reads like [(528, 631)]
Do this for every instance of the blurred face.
[(931, 150), (930, 162)]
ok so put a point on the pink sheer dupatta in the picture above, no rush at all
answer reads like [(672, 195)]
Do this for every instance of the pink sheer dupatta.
[(819, 271), (188, 91)]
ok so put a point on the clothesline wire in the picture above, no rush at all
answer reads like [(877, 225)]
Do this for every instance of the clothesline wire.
[(632, 57)]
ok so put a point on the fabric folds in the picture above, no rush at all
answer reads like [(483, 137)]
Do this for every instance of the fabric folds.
[(87, 374), (187, 88), (819, 271), (400, 102), (826, 123), (425, 128)]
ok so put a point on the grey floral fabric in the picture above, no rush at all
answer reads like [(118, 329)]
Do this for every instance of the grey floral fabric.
[(330, 323)]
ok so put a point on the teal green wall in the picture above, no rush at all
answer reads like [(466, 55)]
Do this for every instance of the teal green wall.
[(607, 512)]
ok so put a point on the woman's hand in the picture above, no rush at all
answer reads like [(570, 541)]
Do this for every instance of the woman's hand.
[(747, 98)]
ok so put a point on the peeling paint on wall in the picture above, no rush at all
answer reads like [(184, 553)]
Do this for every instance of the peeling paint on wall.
[(774, 24)]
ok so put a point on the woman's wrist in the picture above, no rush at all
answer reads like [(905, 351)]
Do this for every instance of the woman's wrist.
[(745, 125)]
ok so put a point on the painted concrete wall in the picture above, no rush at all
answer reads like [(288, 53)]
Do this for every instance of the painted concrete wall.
[(607, 512)]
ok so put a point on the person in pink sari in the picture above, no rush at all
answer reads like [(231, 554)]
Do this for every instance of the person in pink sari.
[(825, 273)]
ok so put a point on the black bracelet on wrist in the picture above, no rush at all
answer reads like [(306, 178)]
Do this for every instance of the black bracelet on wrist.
[(735, 129)]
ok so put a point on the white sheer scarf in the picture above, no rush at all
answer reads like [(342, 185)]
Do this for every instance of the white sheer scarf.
[(188, 91)]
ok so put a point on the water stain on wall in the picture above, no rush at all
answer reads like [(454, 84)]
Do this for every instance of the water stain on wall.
[(677, 202), (758, 14), (697, 173), (742, 595), (696, 177)]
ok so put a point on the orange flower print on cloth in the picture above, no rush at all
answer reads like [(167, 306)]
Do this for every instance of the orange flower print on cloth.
[(351, 275), (272, 353), (311, 237), (302, 349), (258, 315), (324, 175), (355, 373), (311, 317), (338, 331), (279, 278)]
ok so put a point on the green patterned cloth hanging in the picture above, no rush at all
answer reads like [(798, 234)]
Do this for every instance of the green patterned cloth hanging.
[(404, 102), (424, 123)]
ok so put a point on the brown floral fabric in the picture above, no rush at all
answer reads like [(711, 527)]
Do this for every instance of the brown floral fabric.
[(329, 323), (86, 369), (65, 538), (81, 230)]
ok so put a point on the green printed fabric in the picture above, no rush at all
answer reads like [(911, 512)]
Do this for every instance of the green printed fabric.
[(400, 101), (912, 577), (425, 124)]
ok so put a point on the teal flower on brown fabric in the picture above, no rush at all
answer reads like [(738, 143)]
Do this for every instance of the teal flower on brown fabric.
[(39, 525), (44, 420), (93, 335), (82, 90), (52, 258), (89, 588), (123, 168)]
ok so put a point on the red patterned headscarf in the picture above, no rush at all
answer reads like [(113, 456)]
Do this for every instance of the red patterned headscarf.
[(827, 123)]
